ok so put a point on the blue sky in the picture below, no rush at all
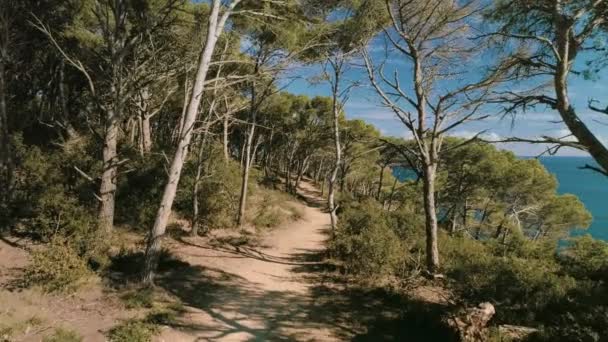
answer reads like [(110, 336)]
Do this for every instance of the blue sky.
[(364, 104)]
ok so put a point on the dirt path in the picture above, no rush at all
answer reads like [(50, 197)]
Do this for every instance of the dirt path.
[(253, 294)]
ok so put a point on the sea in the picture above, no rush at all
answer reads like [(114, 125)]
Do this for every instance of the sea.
[(590, 186)]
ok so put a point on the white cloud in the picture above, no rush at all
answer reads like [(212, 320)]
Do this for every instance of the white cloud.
[(467, 134)]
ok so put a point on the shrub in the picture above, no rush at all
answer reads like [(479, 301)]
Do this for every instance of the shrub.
[(63, 335), (525, 281), (133, 331), (139, 298), (586, 258), (57, 268), (51, 201), (218, 191), (268, 217), (138, 193), (366, 243)]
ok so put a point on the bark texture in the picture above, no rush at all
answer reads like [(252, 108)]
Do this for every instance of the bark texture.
[(107, 189), (215, 28)]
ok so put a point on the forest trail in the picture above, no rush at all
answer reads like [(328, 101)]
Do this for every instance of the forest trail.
[(264, 293)]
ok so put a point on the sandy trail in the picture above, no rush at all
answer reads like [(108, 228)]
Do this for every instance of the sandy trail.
[(253, 294)]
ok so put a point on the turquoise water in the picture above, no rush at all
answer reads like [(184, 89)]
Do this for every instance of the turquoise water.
[(589, 186)]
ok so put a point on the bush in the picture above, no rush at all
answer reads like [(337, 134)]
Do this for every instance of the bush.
[(57, 268), (586, 258), (268, 218), (139, 192), (366, 243), (274, 209), (63, 335), (524, 282), (139, 298), (218, 192), (51, 201), (133, 331)]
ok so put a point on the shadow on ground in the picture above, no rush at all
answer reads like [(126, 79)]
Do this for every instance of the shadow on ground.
[(347, 312), (333, 306)]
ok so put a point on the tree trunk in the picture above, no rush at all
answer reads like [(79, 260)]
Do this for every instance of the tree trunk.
[(197, 179), (319, 170), (288, 168), (392, 194), (107, 190), (240, 220), (199, 173), (255, 150), (323, 185), (242, 156), (146, 135), (267, 154), (5, 157), (301, 171), (215, 28), (380, 182), (247, 161), (225, 137), (331, 196), (63, 98), (576, 126), (432, 250)]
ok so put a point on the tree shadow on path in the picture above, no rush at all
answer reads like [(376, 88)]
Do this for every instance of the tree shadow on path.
[(226, 306)]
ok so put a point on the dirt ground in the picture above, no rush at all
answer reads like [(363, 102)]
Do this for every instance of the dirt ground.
[(279, 289)]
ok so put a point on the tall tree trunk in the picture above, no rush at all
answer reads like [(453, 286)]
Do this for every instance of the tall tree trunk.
[(215, 28), (288, 166), (255, 150), (380, 182), (225, 137), (335, 106), (63, 99), (240, 220), (107, 190), (430, 213), (319, 171), (243, 147), (392, 194), (302, 169), (197, 179), (199, 172), (267, 154), (146, 135), (324, 180), (5, 157), (246, 165)]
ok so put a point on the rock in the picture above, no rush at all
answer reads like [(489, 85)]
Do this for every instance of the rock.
[(516, 332), (471, 323)]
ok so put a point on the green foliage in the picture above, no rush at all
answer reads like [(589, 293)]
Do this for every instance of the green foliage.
[(133, 331), (48, 195), (274, 209), (218, 192), (268, 217), (63, 335), (9, 330), (525, 280), (491, 192), (56, 268), (366, 243), (586, 258), (139, 191), (139, 298)]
